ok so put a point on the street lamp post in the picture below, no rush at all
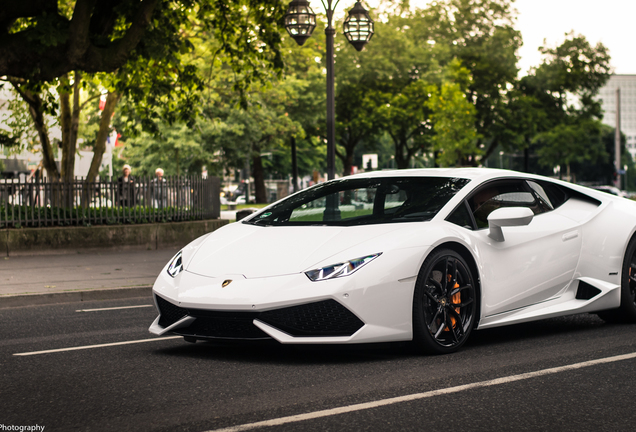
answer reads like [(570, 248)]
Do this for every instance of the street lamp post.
[(300, 22)]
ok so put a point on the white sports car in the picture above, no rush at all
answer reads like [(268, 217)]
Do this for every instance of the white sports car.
[(423, 255)]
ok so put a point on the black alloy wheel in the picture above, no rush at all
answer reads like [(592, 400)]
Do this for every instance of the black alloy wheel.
[(626, 313), (444, 304)]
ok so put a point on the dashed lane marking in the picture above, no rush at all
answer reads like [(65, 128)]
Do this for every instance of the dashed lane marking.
[(95, 346), (113, 308)]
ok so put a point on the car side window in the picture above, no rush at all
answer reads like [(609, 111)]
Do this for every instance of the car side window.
[(461, 216), (541, 194), (512, 193), (556, 194)]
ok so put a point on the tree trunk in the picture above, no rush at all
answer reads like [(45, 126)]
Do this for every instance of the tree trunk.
[(260, 193), (69, 120), (401, 160), (65, 122), (75, 114), (347, 161), (294, 165), (100, 142), (176, 158), (36, 109), (102, 135)]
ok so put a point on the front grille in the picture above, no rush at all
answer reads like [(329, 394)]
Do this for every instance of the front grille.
[(169, 313), (324, 318), (226, 325), (320, 319)]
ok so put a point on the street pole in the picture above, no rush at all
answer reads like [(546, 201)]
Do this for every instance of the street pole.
[(331, 101), (617, 140), (300, 21), (294, 165)]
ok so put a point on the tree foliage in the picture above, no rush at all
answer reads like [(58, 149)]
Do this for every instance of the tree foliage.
[(566, 84), (45, 39), (136, 50), (453, 117), (234, 131), (481, 35)]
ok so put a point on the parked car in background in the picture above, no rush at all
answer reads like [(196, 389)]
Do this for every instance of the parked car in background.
[(241, 199), (611, 190)]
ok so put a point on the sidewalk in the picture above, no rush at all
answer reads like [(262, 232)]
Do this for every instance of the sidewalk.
[(61, 278)]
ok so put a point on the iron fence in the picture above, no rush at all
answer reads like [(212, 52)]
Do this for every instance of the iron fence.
[(41, 202)]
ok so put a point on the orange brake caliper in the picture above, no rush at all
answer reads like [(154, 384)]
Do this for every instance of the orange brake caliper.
[(455, 299)]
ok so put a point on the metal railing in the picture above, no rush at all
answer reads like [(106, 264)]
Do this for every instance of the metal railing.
[(40, 202)]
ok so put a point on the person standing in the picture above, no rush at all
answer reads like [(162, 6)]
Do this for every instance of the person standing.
[(126, 187), (159, 189)]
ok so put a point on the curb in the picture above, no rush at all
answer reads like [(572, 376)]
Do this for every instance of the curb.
[(21, 300)]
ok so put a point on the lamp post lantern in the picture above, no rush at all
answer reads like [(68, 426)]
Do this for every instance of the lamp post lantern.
[(358, 27), (300, 22)]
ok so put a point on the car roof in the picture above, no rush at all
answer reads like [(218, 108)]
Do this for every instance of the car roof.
[(479, 174)]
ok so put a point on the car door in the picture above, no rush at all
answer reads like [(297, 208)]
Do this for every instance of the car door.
[(533, 263)]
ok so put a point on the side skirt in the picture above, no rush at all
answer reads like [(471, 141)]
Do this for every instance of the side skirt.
[(586, 295)]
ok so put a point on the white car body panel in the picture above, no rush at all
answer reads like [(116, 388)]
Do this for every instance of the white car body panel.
[(534, 273)]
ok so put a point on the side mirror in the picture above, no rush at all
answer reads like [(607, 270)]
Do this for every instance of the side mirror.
[(507, 217)]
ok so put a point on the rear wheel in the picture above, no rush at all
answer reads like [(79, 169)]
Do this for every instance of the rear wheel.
[(444, 303), (626, 313)]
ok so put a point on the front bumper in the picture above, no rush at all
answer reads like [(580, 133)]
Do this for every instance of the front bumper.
[(322, 319), (361, 308)]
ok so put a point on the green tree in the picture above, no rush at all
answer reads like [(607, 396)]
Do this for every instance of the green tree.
[(453, 118), (139, 45), (566, 144), (566, 84), (44, 40), (602, 171), (414, 52), (383, 89), (179, 151), (481, 35), (234, 132)]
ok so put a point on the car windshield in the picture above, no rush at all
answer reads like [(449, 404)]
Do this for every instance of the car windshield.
[(363, 201)]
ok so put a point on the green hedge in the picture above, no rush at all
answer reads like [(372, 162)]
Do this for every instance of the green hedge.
[(18, 216)]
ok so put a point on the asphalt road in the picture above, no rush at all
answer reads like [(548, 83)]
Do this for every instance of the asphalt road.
[(559, 374)]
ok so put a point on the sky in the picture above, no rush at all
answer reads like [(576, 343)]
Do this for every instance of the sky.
[(611, 22)]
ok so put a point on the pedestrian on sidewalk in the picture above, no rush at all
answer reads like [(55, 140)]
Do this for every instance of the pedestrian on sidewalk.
[(158, 189), (126, 187)]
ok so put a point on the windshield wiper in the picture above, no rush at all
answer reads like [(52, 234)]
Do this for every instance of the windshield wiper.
[(262, 222)]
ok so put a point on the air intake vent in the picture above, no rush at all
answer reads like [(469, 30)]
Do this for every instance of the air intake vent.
[(324, 318), (169, 313), (223, 325), (585, 291)]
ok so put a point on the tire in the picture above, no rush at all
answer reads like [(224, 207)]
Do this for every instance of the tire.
[(626, 312), (444, 303)]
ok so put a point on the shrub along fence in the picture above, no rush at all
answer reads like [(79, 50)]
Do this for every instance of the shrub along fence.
[(41, 202)]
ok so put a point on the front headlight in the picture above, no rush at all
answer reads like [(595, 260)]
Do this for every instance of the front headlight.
[(176, 265), (341, 269)]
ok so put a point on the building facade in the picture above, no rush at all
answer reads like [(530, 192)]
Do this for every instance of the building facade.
[(607, 94)]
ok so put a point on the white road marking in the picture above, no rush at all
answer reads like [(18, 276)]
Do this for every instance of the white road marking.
[(95, 346), (416, 396), (113, 308)]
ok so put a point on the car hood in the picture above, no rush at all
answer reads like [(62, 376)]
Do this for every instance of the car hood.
[(257, 251)]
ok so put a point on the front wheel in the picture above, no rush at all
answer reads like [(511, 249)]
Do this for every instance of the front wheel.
[(626, 313), (444, 303)]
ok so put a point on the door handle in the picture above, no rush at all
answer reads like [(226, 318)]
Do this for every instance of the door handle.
[(570, 236)]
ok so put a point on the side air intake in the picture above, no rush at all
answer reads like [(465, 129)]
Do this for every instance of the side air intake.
[(585, 291)]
